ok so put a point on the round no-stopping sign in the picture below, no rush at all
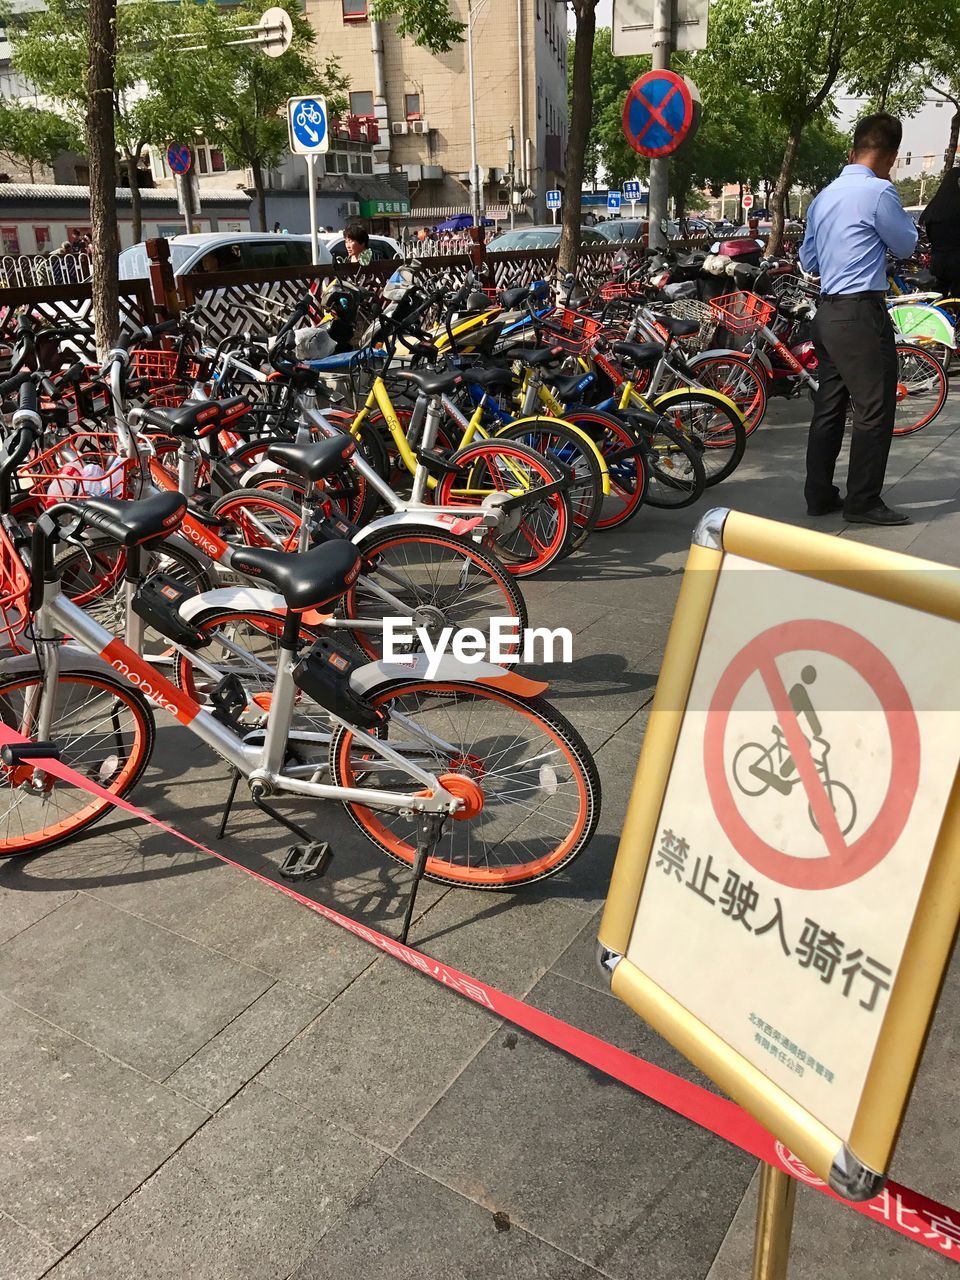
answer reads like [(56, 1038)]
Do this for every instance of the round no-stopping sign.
[(661, 112), (842, 862), (179, 158)]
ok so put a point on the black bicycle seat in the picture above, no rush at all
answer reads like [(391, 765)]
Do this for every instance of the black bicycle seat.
[(196, 418), (542, 355), (305, 579), (679, 328), (133, 524), (430, 382), (567, 389), (490, 376), (642, 354), (312, 459), (511, 298)]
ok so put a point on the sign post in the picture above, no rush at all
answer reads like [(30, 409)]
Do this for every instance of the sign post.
[(747, 201), (631, 191), (309, 137), (613, 202), (787, 888), (180, 163), (553, 203)]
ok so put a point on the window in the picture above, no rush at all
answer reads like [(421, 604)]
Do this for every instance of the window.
[(42, 237), (10, 239), (539, 100), (411, 105), (361, 104), (218, 163), (354, 10), (366, 162)]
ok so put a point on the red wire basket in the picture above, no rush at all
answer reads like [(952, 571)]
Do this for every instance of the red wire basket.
[(574, 331), (611, 291), (14, 586), (741, 312), (158, 366), (83, 465)]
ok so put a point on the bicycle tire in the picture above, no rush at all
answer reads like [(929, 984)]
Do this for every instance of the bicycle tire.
[(625, 457), (463, 865), (118, 771), (676, 475), (248, 513), (712, 423), (530, 539), (504, 593), (573, 454), (739, 379), (912, 355)]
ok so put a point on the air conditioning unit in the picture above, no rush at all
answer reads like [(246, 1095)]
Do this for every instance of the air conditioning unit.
[(353, 209), (419, 126), (400, 128)]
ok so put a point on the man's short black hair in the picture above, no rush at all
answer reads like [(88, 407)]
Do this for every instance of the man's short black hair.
[(355, 232), (879, 132)]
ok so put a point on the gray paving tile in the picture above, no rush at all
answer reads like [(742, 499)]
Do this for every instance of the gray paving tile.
[(78, 1131), (24, 1255), (142, 994), (580, 1161), (579, 961), (220, 1069), (382, 1053), (244, 1200), (256, 924), (19, 909), (404, 1224)]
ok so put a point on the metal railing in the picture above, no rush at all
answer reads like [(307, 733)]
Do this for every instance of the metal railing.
[(21, 271)]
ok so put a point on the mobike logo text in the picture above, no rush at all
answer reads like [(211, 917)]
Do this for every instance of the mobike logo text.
[(137, 673), (214, 547)]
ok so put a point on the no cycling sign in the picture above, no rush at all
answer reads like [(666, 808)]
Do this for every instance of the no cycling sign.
[(786, 890)]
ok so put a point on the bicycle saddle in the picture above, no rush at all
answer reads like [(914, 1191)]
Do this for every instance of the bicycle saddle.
[(430, 382), (312, 459), (196, 417), (511, 298), (542, 355), (679, 328), (490, 377), (642, 354), (567, 389), (795, 309), (133, 524), (305, 579)]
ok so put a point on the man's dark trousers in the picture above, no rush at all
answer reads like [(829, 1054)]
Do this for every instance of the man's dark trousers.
[(858, 361)]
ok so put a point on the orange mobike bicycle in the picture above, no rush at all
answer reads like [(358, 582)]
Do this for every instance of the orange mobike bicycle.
[(466, 775)]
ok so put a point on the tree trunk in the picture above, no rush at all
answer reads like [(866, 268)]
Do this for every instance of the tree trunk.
[(257, 170), (136, 205), (951, 152), (581, 113), (775, 243), (105, 241)]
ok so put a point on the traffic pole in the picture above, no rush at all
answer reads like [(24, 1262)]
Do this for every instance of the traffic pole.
[(771, 1246), (312, 192), (660, 169)]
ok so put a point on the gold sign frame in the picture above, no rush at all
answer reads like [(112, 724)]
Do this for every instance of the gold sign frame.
[(856, 1168)]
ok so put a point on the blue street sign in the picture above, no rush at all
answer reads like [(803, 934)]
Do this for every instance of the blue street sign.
[(307, 121), (553, 199), (613, 201), (631, 190), (179, 158)]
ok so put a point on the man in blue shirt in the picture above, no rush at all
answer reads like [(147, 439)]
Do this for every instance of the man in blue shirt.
[(851, 226)]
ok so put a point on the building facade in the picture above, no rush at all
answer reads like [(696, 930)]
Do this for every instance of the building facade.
[(420, 103)]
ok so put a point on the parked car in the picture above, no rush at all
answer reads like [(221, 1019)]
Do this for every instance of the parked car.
[(221, 251), (385, 248), (621, 229), (542, 237)]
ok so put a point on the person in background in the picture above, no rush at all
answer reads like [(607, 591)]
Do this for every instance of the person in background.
[(941, 221), (276, 228), (357, 244), (851, 226)]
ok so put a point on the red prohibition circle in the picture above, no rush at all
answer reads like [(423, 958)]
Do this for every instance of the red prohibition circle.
[(844, 862), (676, 134)]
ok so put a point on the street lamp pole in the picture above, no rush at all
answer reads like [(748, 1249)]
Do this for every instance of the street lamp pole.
[(512, 169), (476, 190)]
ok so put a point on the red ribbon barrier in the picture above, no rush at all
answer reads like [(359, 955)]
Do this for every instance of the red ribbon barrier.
[(918, 1218)]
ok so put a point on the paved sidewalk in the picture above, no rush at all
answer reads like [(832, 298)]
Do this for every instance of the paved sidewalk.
[(204, 1080)]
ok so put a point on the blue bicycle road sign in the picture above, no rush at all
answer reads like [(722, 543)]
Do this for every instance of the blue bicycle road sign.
[(307, 119), (613, 201), (553, 199)]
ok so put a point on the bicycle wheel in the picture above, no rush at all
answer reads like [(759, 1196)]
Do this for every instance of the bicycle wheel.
[(255, 518), (736, 378), (345, 487), (534, 531), (104, 729), (441, 580), (624, 453), (573, 455), (712, 424), (921, 388), (529, 781), (676, 477)]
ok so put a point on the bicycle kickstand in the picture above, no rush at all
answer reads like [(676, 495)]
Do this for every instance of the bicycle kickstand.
[(431, 829)]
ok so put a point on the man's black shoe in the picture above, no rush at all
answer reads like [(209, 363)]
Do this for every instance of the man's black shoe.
[(825, 508), (880, 513)]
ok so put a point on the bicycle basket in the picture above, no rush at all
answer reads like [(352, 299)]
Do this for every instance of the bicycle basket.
[(158, 366), (14, 586), (84, 465), (575, 332), (742, 312)]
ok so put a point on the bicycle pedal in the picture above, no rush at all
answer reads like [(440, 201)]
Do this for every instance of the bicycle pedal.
[(306, 861), (229, 700)]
